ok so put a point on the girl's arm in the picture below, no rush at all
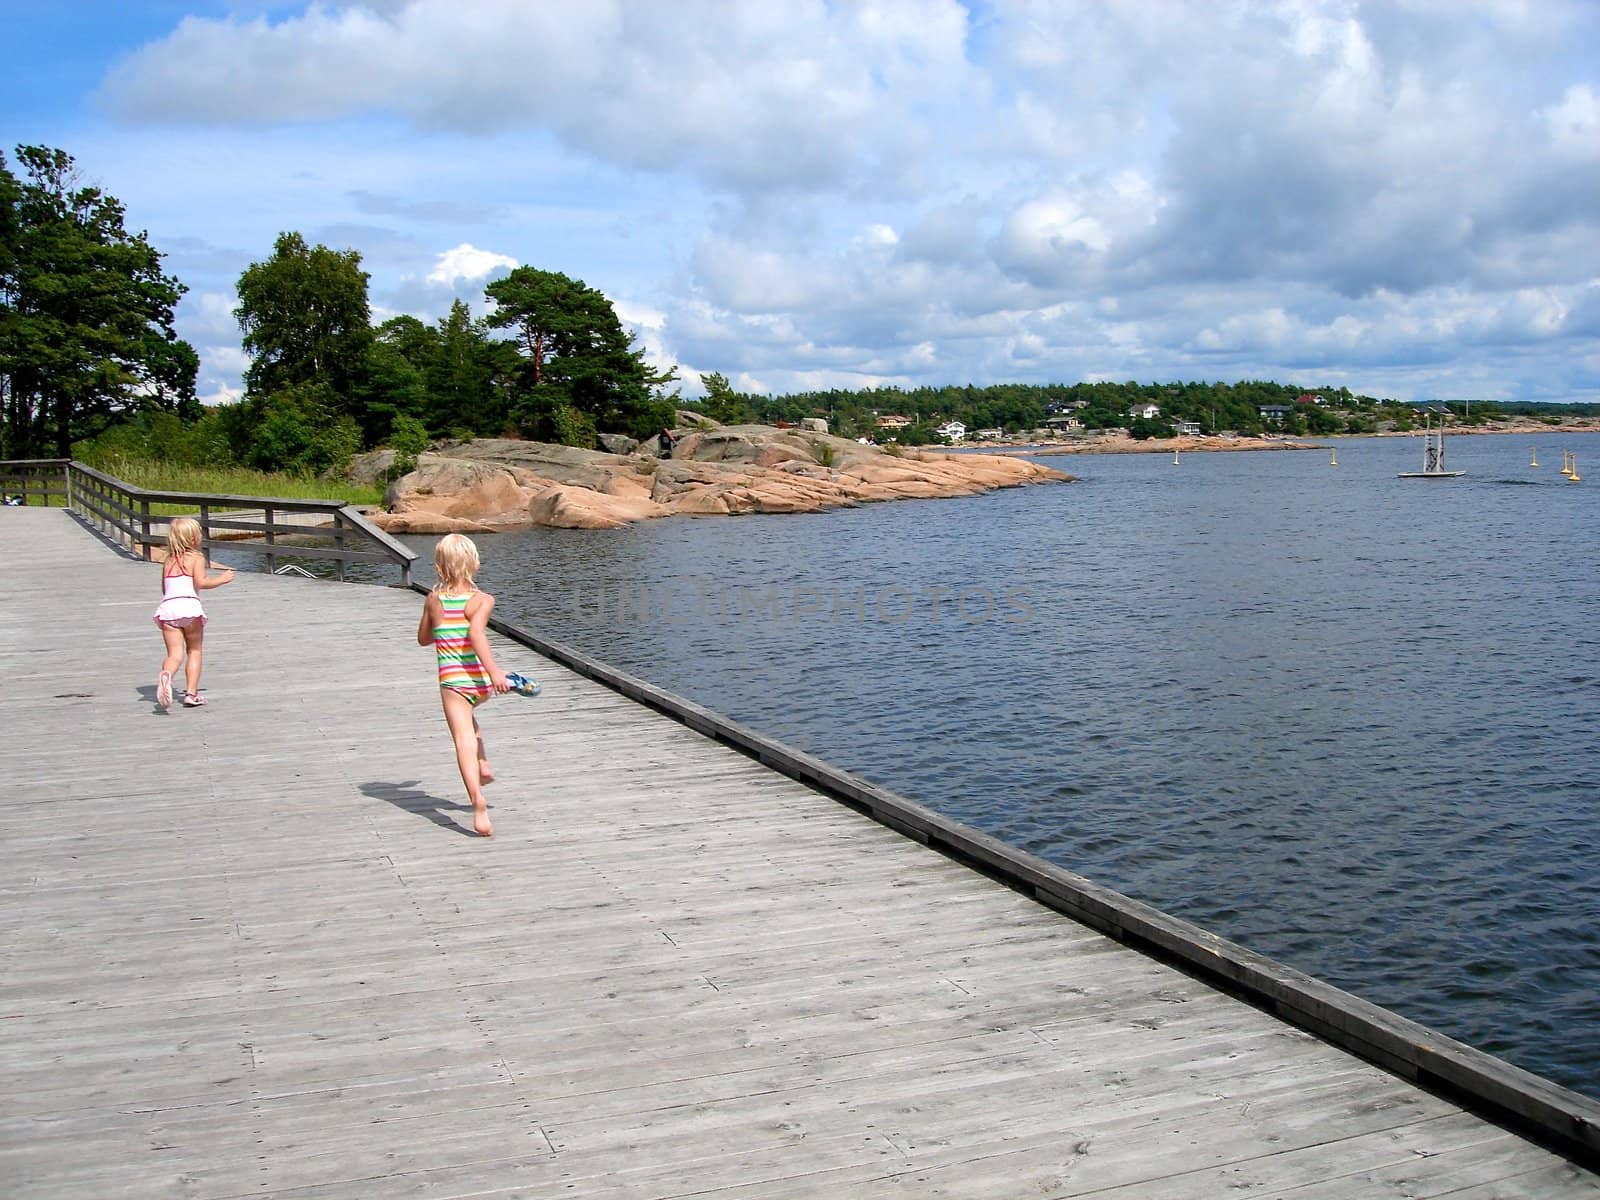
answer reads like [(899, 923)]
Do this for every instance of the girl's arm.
[(478, 610), (197, 572), (426, 624)]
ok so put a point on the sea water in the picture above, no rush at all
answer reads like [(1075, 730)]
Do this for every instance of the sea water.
[(1345, 719)]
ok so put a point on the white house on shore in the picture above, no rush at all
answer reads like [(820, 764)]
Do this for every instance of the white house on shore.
[(1144, 412), (954, 430)]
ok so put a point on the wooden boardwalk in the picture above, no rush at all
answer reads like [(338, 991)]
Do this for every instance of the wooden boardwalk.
[(250, 950)]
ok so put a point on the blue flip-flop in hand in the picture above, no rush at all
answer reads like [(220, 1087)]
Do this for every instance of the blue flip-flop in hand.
[(522, 685)]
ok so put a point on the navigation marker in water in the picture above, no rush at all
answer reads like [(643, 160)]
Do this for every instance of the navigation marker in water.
[(1432, 452)]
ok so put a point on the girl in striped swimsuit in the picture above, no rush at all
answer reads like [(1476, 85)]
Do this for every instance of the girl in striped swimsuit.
[(455, 621)]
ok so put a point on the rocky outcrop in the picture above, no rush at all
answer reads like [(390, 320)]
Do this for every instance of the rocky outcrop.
[(489, 484)]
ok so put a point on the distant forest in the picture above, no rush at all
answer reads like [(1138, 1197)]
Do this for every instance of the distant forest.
[(1018, 408)]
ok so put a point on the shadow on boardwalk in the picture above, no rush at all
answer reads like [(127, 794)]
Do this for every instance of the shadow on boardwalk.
[(408, 797)]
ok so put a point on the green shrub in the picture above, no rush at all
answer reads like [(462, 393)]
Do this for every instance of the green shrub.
[(409, 438)]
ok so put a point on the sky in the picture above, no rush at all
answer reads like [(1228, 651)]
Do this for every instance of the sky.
[(1402, 198)]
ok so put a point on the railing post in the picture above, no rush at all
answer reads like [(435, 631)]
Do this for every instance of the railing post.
[(145, 549), (338, 542), (271, 536)]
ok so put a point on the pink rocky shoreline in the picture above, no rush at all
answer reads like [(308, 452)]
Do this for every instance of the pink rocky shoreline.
[(487, 485)]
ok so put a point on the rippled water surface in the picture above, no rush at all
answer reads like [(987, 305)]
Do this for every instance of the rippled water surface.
[(1345, 719)]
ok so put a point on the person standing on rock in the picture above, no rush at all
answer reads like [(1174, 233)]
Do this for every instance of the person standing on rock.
[(665, 442), (455, 622)]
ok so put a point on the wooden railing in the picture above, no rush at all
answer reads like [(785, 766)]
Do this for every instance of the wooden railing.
[(274, 526)]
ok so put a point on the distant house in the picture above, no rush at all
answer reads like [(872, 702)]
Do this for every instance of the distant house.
[(1311, 398), (1186, 428), (1144, 412), (954, 430), (893, 421), (1273, 412), (989, 435), (1063, 423)]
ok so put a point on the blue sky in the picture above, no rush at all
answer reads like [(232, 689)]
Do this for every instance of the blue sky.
[(1403, 198)]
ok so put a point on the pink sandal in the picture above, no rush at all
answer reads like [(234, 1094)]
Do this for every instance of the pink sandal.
[(164, 690), (193, 699)]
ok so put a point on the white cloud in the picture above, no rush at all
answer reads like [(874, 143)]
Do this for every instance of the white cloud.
[(218, 307), (468, 264), (226, 359), (918, 191), (1575, 123), (220, 393), (705, 86)]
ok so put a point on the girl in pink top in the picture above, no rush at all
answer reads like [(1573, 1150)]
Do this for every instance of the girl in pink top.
[(180, 617)]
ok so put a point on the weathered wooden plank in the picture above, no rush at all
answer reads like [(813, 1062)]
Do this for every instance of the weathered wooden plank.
[(672, 971)]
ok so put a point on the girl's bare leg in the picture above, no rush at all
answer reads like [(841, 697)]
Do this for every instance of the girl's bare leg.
[(173, 639), (485, 771), (192, 635), (464, 732)]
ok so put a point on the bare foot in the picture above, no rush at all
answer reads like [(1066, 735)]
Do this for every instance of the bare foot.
[(480, 823), (485, 773)]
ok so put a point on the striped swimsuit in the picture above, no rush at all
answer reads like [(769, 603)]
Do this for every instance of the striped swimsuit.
[(459, 668)]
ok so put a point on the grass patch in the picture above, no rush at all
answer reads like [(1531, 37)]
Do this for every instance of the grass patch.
[(232, 481)]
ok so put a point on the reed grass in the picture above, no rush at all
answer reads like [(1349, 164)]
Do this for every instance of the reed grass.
[(232, 481)]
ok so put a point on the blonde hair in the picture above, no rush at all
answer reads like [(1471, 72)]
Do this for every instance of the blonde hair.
[(455, 560), (183, 537)]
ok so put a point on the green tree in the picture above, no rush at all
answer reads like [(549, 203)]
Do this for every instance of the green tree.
[(580, 371), (460, 377), (393, 386), (722, 403), (305, 319), (409, 439), (1321, 421), (296, 429), (86, 314)]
